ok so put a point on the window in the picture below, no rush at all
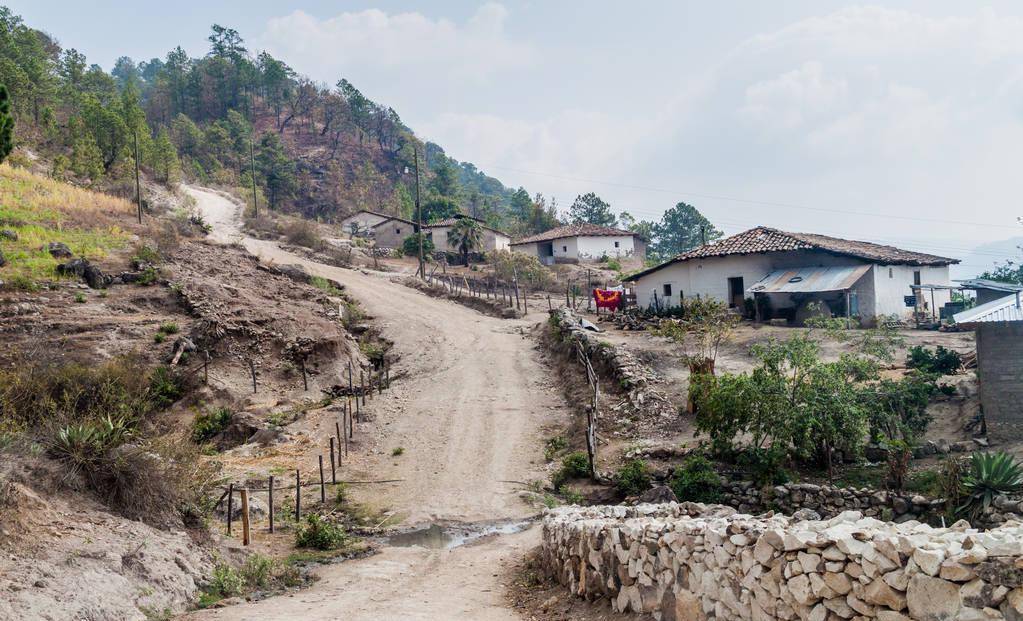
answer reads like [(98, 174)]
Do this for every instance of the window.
[(564, 248), (891, 274), (397, 231), (916, 277), (667, 288), (616, 244)]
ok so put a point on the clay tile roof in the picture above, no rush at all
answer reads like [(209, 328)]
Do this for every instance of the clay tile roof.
[(765, 239), (451, 222), (583, 229)]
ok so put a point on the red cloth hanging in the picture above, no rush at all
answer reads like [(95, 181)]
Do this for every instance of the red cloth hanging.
[(607, 299)]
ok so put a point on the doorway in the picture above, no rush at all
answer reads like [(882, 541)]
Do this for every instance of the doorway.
[(736, 292)]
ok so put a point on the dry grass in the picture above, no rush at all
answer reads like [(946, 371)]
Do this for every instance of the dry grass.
[(42, 210)]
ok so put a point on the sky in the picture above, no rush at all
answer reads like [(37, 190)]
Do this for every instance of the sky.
[(898, 123)]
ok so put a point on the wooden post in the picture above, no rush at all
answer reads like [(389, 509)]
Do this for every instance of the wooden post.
[(305, 381), (362, 390), (271, 503), (549, 306), (252, 369), (333, 466), (358, 411), (323, 482), (298, 496), (337, 430), (351, 387), (351, 419), (245, 516), (387, 373), (138, 185), (230, 506), (568, 290), (206, 367), (380, 383)]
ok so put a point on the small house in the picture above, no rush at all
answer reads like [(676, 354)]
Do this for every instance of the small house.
[(998, 326), (391, 233), (362, 221), (573, 243), (786, 275), (493, 239)]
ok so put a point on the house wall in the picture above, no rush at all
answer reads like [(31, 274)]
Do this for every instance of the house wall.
[(877, 293), (392, 233), (364, 219), (1000, 370), (439, 235), (592, 248), (531, 248), (491, 240)]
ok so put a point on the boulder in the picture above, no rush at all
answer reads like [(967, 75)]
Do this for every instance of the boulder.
[(657, 495), (81, 268), (59, 250), (243, 426), (932, 599), (9, 235), (256, 508)]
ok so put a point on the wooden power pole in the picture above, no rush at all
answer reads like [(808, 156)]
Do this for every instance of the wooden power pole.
[(138, 184), (419, 219)]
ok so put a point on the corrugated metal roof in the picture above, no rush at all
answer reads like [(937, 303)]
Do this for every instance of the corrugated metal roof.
[(1003, 309), (992, 285), (810, 279)]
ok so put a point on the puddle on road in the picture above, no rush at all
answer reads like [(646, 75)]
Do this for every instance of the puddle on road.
[(448, 536)]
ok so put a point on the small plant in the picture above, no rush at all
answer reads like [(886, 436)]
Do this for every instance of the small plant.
[(320, 533), (554, 446), (159, 337), (899, 454), (324, 285), (208, 424), (947, 389), (145, 254), (766, 466), (941, 360), (169, 327), (148, 276), (633, 478), (226, 582), (340, 494), (613, 265), (79, 298), (574, 466), (103, 294), (696, 480), (990, 475), (396, 451), (165, 387), (572, 497)]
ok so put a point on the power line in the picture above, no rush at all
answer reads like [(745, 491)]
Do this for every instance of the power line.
[(749, 201)]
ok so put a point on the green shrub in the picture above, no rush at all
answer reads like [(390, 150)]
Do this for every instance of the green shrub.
[(633, 478), (303, 233), (553, 447), (159, 337), (696, 480), (989, 475), (613, 264), (79, 298), (165, 387), (573, 466), (148, 276), (320, 533), (941, 360), (264, 572), (397, 451), (146, 254), (169, 327), (225, 582), (766, 466), (208, 424), (410, 246), (324, 285)]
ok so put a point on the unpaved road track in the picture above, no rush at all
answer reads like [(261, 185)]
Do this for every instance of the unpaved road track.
[(469, 416)]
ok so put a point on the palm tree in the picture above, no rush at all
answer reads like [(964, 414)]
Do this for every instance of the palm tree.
[(466, 235)]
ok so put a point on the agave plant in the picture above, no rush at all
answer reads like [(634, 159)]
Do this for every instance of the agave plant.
[(84, 443), (990, 475)]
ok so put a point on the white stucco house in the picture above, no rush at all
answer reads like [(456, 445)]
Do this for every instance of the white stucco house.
[(493, 239), (580, 242), (784, 272), (364, 219)]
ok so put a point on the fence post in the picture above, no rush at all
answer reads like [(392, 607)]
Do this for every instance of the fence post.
[(206, 367), (323, 484), (387, 373), (305, 380), (271, 503), (252, 369), (298, 496), (230, 506), (333, 468), (245, 516)]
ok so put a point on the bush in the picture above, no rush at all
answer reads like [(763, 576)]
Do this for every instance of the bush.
[(613, 264), (225, 582), (165, 387), (169, 327), (941, 360), (208, 424), (553, 447), (303, 233), (574, 466), (766, 466), (320, 533), (264, 572), (633, 478), (989, 475), (410, 247), (696, 480)]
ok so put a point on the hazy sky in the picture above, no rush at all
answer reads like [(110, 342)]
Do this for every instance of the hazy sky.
[(898, 123)]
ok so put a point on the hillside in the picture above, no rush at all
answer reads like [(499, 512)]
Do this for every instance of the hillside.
[(321, 150)]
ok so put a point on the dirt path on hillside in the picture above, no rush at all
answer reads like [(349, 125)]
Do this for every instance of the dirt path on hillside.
[(469, 416)]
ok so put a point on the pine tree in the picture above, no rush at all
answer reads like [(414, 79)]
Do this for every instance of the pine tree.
[(592, 209), (6, 124)]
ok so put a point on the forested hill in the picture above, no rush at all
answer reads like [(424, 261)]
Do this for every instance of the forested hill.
[(323, 150)]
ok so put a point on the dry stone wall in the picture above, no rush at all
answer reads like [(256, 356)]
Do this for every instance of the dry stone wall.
[(693, 562)]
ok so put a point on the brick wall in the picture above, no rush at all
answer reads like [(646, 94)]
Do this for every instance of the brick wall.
[(1000, 369)]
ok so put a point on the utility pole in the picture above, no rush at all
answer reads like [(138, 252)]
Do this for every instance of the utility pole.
[(252, 164), (703, 235), (419, 218), (138, 185)]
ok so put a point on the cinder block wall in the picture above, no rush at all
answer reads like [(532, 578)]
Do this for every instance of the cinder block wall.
[(1000, 369)]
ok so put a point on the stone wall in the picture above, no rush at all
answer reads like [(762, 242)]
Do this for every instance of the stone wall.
[(692, 562)]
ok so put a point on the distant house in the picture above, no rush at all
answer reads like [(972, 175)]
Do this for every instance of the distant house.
[(391, 232), (785, 272), (493, 239), (580, 242), (999, 331), (364, 220), (989, 290)]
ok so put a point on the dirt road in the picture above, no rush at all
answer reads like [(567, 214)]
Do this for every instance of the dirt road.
[(469, 418)]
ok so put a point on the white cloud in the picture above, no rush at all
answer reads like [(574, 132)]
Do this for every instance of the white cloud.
[(790, 98), (403, 44)]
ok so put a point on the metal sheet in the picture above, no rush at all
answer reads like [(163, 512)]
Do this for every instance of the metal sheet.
[(810, 279), (1009, 308)]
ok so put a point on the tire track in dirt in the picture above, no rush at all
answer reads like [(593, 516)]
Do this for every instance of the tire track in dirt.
[(468, 414)]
